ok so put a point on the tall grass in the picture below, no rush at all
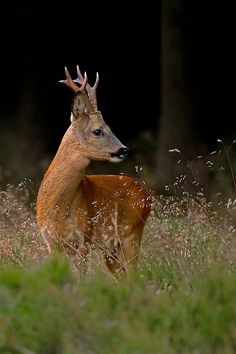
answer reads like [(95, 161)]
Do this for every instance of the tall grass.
[(20, 242), (181, 299)]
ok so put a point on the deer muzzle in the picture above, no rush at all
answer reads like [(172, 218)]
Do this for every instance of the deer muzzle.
[(120, 154)]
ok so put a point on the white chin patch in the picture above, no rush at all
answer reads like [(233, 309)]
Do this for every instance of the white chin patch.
[(115, 159)]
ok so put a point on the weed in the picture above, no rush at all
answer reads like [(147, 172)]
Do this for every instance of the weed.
[(181, 299)]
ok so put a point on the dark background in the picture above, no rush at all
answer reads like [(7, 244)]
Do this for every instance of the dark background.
[(123, 43), (120, 42)]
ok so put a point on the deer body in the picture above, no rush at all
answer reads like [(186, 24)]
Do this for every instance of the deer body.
[(80, 211)]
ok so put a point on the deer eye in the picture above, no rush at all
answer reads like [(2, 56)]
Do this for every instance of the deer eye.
[(97, 132)]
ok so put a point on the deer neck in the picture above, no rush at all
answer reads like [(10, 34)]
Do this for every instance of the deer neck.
[(62, 180)]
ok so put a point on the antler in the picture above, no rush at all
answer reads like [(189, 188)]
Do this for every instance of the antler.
[(91, 90), (71, 83)]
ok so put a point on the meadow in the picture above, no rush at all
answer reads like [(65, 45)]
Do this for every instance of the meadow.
[(181, 299)]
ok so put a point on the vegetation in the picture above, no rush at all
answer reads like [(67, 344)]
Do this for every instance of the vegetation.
[(181, 299)]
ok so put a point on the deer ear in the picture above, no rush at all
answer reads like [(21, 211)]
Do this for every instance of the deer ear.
[(78, 105)]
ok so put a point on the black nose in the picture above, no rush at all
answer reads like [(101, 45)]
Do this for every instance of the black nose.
[(122, 152)]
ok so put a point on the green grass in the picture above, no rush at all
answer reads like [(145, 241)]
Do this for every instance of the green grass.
[(181, 299), (45, 310)]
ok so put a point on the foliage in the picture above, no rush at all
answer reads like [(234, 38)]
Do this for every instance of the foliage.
[(45, 310), (181, 299)]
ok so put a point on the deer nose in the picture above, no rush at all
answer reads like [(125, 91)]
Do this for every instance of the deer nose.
[(122, 152)]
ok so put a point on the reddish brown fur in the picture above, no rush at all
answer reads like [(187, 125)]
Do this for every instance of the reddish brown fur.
[(78, 210)]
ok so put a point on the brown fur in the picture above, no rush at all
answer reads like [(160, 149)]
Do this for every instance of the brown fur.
[(78, 210)]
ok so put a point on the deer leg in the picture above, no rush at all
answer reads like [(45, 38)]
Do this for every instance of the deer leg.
[(78, 251), (113, 261), (129, 251), (121, 261), (79, 259)]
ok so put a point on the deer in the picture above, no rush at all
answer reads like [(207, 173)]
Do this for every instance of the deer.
[(79, 212)]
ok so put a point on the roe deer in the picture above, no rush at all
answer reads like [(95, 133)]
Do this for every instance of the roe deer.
[(81, 211)]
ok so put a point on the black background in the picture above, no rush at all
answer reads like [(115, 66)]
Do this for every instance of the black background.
[(121, 41)]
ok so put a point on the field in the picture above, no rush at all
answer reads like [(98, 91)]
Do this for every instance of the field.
[(181, 299)]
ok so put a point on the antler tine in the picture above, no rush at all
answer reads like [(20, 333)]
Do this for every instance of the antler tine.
[(91, 90), (96, 81), (71, 84), (85, 82), (80, 77)]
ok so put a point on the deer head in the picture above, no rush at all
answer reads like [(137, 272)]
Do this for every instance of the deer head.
[(94, 136)]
